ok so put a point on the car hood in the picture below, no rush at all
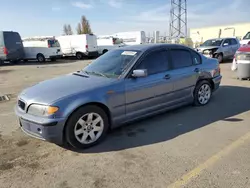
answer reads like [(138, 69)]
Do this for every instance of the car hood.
[(48, 91), (202, 48)]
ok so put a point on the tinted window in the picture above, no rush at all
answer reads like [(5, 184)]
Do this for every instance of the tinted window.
[(227, 41), (181, 58), (112, 64), (196, 58), (12, 39), (53, 43), (233, 42), (212, 42), (247, 36), (155, 62)]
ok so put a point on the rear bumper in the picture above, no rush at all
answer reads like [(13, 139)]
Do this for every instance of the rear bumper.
[(45, 129), (217, 81)]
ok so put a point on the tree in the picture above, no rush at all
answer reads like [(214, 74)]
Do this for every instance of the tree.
[(79, 29), (67, 30), (84, 26)]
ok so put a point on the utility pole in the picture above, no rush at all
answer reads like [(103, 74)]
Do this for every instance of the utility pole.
[(178, 19)]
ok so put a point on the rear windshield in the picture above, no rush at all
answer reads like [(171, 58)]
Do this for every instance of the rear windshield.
[(53, 43)]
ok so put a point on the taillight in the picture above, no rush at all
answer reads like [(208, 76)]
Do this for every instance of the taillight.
[(248, 43), (49, 46), (5, 51), (87, 46), (113, 41)]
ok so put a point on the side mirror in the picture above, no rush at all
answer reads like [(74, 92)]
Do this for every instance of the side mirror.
[(225, 44), (139, 73)]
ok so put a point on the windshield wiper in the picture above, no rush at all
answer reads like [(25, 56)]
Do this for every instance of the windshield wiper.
[(97, 73)]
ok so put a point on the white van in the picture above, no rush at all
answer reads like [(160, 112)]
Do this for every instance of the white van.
[(106, 43), (132, 38), (78, 45), (41, 48)]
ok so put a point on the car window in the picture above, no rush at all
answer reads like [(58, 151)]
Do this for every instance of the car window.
[(181, 58), (196, 58), (227, 41), (53, 43), (113, 63), (233, 42), (155, 62), (247, 36)]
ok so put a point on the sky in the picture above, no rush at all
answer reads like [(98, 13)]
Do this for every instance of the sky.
[(47, 17)]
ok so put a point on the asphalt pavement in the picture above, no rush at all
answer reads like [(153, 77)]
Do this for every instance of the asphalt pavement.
[(191, 147)]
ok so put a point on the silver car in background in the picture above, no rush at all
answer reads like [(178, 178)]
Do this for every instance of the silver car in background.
[(220, 48)]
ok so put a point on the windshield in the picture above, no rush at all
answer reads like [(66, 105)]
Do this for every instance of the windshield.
[(112, 63), (247, 36), (214, 42), (53, 43)]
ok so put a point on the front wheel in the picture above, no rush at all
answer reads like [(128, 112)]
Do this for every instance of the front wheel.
[(86, 127), (40, 58), (202, 93), (79, 56), (220, 58)]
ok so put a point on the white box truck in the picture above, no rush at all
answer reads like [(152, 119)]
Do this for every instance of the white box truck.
[(132, 38), (106, 43), (84, 45)]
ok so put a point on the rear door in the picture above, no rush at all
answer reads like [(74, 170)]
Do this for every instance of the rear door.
[(14, 45), (235, 45), (227, 48), (185, 71), (91, 42)]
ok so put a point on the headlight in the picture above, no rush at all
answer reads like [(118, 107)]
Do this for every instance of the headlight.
[(42, 110)]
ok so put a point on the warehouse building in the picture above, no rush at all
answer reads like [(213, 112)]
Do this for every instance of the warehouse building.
[(199, 35)]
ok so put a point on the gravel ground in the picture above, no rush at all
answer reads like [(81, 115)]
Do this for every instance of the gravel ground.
[(188, 147)]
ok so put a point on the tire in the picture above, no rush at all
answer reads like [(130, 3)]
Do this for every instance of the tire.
[(40, 58), (203, 88), (104, 51), (79, 55), (79, 135), (220, 58)]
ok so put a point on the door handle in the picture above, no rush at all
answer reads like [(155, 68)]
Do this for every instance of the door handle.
[(196, 70), (167, 76)]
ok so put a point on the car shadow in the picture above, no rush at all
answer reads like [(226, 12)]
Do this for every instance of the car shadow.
[(228, 101)]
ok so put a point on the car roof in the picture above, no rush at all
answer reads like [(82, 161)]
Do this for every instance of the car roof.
[(223, 38), (146, 47)]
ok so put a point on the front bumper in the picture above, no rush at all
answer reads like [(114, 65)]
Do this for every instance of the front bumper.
[(217, 81), (42, 128)]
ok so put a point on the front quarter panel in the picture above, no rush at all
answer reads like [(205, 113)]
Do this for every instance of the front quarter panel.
[(112, 96)]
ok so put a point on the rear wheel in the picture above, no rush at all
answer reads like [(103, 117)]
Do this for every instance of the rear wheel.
[(202, 93), (79, 55), (40, 58), (86, 127)]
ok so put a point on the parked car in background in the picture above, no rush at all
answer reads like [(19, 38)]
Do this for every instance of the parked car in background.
[(41, 49), (220, 48), (81, 46), (132, 38), (106, 43), (241, 62), (11, 46), (121, 86), (246, 39)]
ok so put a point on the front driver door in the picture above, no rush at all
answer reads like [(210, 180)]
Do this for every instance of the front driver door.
[(146, 94)]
